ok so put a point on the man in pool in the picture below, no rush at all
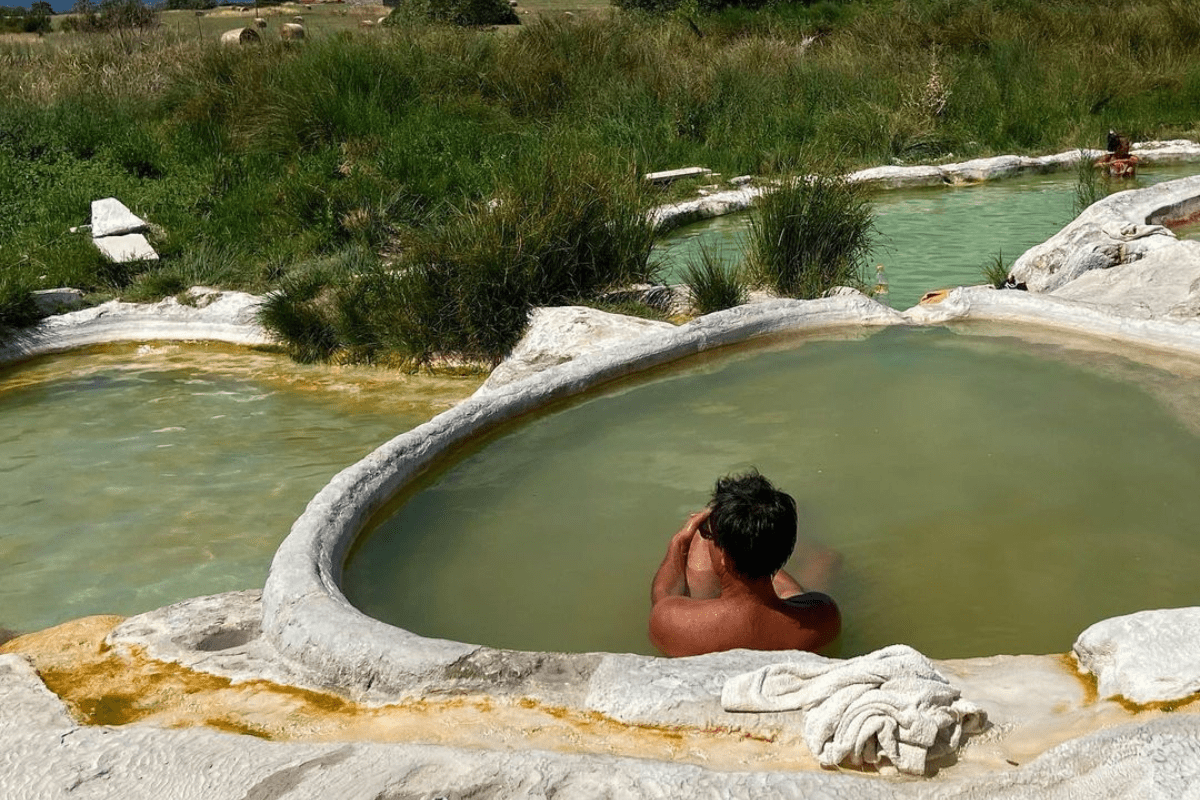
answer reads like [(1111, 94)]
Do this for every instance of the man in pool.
[(722, 585)]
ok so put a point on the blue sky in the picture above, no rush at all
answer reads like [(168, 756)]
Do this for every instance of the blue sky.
[(59, 6)]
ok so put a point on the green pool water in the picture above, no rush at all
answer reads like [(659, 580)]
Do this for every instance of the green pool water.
[(136, 476), (930, 238), (987, 494)]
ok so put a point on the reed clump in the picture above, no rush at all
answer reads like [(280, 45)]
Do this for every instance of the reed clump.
[(564, 231), (713, 285), (809, 235)]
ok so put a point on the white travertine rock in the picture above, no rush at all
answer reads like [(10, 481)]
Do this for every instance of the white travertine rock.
[(901, 177), (46, 755), (110, 217), (217, 634), (25, 700), (987, 169), (666, 176), (223, 316), (1164, 283), (1171, 151), (713, 205), (558, 335), (1049, 310), (1118, 229), (895, 177), (1145, 657)]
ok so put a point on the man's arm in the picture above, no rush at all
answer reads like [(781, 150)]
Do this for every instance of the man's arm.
[(671, 578)]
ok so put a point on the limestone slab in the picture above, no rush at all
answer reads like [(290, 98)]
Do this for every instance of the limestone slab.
[(111, 217), (125, 248), (669, 175)]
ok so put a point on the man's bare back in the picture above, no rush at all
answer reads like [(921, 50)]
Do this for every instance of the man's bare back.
[(773, 613)]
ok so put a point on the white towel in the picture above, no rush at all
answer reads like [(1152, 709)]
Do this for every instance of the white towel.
[(891, 704)]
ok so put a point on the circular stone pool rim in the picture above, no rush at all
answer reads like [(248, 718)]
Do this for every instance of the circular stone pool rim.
[(308, 619)]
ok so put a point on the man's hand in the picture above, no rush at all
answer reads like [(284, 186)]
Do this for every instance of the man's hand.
[(671, 578)]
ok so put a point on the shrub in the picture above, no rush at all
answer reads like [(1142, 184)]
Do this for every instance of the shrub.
[(809, 235), (466, 13), (713, 285), (203, 264), (17, 309), (563, 230), (297, 313)]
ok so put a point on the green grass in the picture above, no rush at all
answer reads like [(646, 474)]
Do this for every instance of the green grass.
[(712, 285), (809, 235), (562, 231), (995, 270), (273, 158)]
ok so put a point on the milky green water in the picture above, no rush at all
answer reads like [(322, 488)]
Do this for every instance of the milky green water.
[(133, 477), (987, 495), (929, 238)]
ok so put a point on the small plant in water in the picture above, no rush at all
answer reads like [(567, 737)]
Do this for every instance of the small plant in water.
[(995, 270), (1089, 185), (810, 235), (713, 285)]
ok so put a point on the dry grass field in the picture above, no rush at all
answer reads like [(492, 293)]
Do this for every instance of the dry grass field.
[(320, 19)]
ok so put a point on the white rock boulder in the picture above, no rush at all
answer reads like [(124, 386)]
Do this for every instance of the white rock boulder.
[(118, 233), (1165, 284), (1146, 657), (1120, 229)]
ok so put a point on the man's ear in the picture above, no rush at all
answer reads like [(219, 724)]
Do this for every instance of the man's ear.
[(718, 558)]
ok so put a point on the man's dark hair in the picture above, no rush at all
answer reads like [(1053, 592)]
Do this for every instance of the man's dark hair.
[(754, 523)]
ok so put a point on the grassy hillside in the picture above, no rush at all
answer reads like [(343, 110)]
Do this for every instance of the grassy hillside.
[(307, 167)]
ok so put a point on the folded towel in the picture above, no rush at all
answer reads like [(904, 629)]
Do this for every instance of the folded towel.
[(888, 705)]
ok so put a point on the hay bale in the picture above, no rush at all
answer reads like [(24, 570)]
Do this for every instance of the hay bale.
[(241, 36), (366, 23), (291, 32), (260, 22), (299, 20)]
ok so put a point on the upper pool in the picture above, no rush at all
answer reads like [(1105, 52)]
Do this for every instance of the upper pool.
[(136, 476), (930, 238), (988, 494)]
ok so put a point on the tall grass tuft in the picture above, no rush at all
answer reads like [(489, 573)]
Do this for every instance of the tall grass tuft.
[(809, 235), (995, 270), (712, 284), (565, 230), (205, 264), (17, 309), (1090, 186)]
